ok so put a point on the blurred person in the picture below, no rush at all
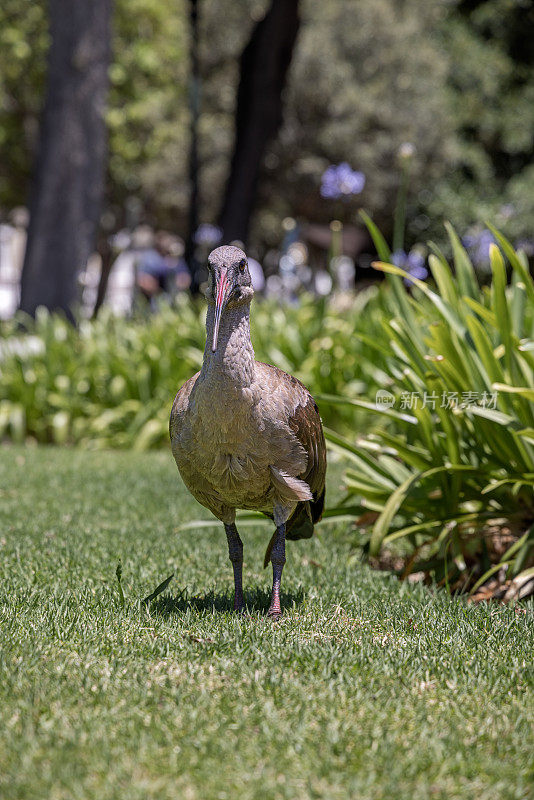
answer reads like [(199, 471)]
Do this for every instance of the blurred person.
[(148, 263), (161, 268), (13, 236), (182, 273), (122, 281), (153, 267), (19, 218)]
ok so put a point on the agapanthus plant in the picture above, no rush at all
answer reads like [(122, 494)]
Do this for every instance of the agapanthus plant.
[(477, 242), (341, 181), (413, 263)]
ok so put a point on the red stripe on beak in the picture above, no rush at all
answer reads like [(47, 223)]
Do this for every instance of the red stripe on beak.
[(220, 301)]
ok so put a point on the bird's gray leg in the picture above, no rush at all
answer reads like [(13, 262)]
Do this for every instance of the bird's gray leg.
[(235, 553), (278, 559)]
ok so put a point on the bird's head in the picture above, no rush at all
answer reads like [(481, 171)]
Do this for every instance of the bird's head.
[(229, 283)]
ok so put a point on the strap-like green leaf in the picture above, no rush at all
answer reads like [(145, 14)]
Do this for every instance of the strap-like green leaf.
[(465, 272), (441, 272), (384, 253), (524, 391), (515, 262), (392, 506), (388, 412), (446, 310)]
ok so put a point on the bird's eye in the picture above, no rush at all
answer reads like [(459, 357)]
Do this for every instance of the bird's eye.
[(242, 264)]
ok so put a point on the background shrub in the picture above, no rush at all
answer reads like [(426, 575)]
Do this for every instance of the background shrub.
[(450, 478)]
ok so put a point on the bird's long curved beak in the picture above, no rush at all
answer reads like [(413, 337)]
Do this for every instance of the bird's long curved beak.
[(220, 302)]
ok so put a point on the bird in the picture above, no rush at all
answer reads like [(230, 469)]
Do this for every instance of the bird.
[(244, 434)]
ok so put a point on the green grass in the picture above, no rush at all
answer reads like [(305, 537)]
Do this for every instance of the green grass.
[(367, 688)]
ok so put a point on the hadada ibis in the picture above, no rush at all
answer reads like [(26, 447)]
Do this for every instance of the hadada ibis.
[(245, 434)]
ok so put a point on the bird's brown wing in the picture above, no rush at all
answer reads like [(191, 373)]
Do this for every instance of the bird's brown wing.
[(180, 403), (305, 423)]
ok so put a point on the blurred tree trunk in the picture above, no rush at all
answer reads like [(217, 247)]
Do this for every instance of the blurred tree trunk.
[(263, 70), (194, 110), (69, 173), (105, 252)]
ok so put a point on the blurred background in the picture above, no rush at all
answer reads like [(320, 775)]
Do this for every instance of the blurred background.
[(135, 136)]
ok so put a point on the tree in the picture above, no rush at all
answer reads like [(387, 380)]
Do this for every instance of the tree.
[(69, 173), (455, 78), (263, 71), (366, 77), (491, 91), (194, 110)]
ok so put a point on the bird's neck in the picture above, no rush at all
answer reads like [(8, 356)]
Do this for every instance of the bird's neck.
[(233, 361)]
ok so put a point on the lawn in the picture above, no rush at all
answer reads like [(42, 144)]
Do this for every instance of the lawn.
[(367, 688)]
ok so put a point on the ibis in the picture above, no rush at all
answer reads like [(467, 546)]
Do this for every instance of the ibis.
[(246, 435)]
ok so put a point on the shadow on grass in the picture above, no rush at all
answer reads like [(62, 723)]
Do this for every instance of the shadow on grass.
[(256, 599)]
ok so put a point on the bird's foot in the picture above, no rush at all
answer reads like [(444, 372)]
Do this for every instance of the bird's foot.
[(275, 610)]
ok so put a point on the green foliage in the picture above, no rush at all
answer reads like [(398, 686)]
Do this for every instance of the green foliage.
[(181, 698), (23, 47), (110, 383), (147, 116), (452, 465), (454, 80), (366, 77), (439, 474), (490, 95)]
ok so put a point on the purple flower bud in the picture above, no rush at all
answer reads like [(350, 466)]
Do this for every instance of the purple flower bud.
[(399, 258), (477, 243), (413, 263), (341, 181)]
